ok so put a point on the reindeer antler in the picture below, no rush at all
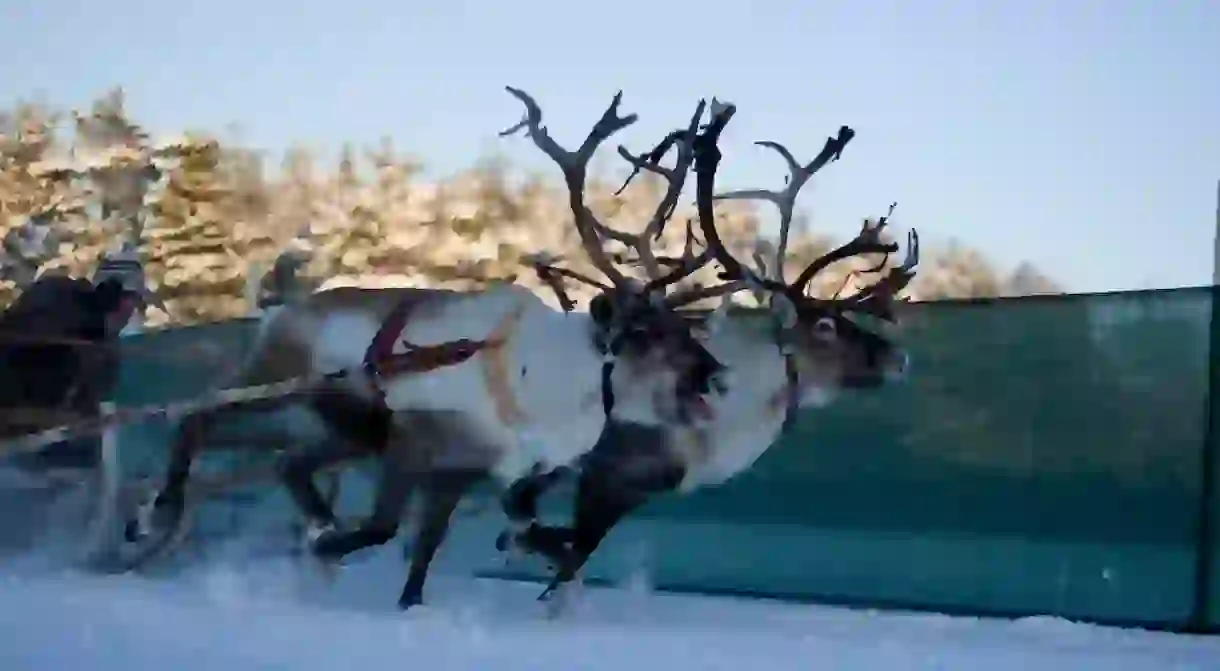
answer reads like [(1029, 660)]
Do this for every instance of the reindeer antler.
[(785, 200), (878, 298), (575, 167), (875, 299), (675, 179), (707, 160), (687, 140), (662, 271), (545, 266)]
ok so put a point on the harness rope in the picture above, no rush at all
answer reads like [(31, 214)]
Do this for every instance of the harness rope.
[(790, 394), (380, 361)]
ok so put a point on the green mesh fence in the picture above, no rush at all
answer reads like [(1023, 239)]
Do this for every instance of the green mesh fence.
[(1045, 456)]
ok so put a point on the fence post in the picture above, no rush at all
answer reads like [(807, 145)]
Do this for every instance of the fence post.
[(1205, 552)]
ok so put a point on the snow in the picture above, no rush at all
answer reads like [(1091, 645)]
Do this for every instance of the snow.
[(277, 613)]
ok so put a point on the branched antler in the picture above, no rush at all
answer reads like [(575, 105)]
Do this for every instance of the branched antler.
[(574, 166), (868, 241), (675, 179), (707, 161), (876, 299), (662, 271), (688, 247), (798, 175), (545, 266)]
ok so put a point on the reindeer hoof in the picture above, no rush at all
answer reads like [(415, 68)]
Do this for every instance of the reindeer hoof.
[(131, 531), (548, 593), (324, 547), (409, 600), (154, 518)]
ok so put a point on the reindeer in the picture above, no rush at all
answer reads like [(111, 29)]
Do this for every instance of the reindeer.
[(809, 349), (449, 388)]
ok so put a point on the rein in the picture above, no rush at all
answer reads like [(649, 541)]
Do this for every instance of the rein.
[(418, 359), (380, 361)]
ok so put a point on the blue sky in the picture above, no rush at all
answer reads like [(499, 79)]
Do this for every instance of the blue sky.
[(1083, 135)]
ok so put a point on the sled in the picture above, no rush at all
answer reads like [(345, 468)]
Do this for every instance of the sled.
[(100, 486), (112, 491)]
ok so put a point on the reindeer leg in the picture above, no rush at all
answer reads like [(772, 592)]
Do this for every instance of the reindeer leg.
[(163, 514), (606, 492), (360, 429), (443, 491), (393, 490), (520, 505), (297, 471)]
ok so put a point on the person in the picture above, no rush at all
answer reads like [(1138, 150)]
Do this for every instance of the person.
[(59, 356), (59, 359)]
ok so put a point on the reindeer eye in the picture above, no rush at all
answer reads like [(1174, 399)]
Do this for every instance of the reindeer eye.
[(825, 326)]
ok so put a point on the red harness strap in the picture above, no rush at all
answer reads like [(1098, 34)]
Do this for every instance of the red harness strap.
[(382, 346), (380, 359)]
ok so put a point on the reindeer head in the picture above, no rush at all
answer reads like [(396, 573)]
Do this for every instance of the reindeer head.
[(849, 342), (837, 343), (634, 324)]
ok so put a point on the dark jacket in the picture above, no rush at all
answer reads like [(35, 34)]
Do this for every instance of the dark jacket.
[(43, 384)]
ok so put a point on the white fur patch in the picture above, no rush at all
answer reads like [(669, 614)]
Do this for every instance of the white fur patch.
[(145, 513), (316, 530), (814, 396), (341, 339)]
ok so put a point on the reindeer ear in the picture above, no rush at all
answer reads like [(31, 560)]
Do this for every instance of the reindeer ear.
[(783, 308), (601, 309)]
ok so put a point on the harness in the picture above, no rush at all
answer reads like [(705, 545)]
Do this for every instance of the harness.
[(380, 360), (609, 340), (790, 396)]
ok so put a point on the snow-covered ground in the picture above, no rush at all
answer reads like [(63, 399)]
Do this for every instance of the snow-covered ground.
[(239, 611), (277, 614)]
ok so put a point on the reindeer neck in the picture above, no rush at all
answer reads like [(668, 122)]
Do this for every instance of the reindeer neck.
[(756, 364), (750, 415)]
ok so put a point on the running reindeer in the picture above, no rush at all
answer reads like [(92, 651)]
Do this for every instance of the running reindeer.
[(449, 388), (809, 349)]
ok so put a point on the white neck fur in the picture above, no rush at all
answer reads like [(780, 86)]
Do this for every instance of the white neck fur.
[(750, 415)]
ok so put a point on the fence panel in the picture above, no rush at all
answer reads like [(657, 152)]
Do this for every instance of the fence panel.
[(1043, 457)]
